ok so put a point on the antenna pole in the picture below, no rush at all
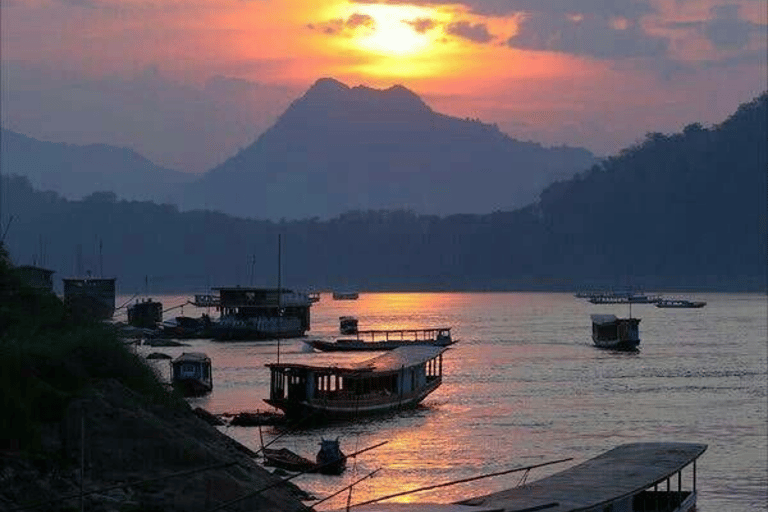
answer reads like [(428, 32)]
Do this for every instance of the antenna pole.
[(279, 292)]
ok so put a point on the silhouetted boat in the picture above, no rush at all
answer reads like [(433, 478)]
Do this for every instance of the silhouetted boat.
[(261, 313), (400, 378), (347, 325), (192, 374), (624, 298), (615, 333), (90, 297), (372, 340), (345, 295), (631, 477), (329, 460), (680, 303)]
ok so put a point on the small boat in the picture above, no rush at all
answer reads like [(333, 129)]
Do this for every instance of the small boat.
[(659, 477), (397, 379), (284, 458), (330, 459), (191, 374), (680, 303), (347, 325), (625, 298), (615, 333), (345, 295), (372, 340)]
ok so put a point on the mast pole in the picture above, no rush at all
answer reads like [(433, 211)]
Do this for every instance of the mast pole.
[(279, 293)]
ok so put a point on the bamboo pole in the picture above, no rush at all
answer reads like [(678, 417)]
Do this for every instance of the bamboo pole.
[(463, 480)]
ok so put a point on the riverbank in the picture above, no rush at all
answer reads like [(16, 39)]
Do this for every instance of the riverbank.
[(75, 401)]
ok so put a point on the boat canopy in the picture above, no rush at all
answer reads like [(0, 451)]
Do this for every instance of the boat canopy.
[(393, 360), (617, 474), (603, 319), (192, 357)]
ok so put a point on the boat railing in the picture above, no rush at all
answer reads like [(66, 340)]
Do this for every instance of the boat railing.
[(431, 334)]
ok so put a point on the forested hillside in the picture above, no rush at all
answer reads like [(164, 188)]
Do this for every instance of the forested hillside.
[(677, 211)]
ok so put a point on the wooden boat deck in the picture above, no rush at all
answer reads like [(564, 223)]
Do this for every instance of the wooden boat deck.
[(616, 474)]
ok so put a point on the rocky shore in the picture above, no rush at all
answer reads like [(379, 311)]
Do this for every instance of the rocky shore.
[(123, 438)]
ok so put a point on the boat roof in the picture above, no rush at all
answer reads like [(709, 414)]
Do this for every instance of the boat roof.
[(391, 360), (623, 471), (192, 357), (603, 319)]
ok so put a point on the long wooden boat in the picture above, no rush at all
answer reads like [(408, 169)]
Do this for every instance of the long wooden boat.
[(373, 340), (397, 379), (330, 460), (680, 303), (659, 477), (615, 333), (284, 458)]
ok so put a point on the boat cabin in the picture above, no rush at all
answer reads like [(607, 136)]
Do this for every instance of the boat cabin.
[(608, 331), (246, 303), (191, 373), (396, 379), (145, 314)]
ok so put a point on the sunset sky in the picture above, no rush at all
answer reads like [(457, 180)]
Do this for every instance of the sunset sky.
[(188, 82)]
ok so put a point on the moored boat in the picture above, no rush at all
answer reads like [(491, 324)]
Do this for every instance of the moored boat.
[(397, 379), (261, 313), (347, 325), (345, 295), (680, 303), (373, 340), (192, 374), (630, 477), (611, 332), (624, 298)]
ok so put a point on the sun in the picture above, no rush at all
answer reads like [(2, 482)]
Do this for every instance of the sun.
[(394, 29)]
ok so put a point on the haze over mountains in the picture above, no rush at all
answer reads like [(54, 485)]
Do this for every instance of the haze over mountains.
[(681, 211), (338, 148), (335, 149)]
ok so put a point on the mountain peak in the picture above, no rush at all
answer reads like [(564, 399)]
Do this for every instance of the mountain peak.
[(326, 89), (329, 93)]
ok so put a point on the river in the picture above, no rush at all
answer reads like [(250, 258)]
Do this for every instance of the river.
[(525, 385)]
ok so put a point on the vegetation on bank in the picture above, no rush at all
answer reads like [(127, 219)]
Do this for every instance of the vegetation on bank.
[(48, 357), (685, 211)]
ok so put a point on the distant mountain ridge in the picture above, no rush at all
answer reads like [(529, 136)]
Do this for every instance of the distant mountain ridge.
[(340, 148), (675, 212), (76, 171)]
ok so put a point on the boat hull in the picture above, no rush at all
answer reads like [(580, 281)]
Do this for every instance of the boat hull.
[(320, 411), (192, 387)]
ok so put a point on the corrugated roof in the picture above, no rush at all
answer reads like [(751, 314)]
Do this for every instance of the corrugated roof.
[(198, 357), (622, 471), (391, 360)]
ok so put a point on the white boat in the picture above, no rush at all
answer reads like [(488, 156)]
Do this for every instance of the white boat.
[(389, 339), (659, 477), (625, 298), (400, 378), (680, 303), (611, 332)]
